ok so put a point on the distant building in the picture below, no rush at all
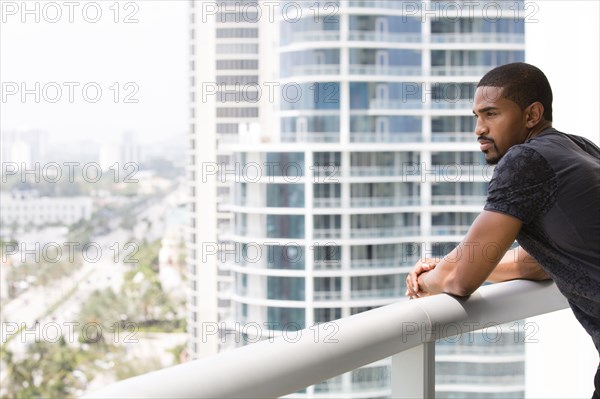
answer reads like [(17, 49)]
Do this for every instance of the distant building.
[(24, 146), (128, 150), (28, 208)]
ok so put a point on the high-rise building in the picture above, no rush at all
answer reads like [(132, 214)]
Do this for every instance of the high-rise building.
[(224, 60), (364, 161)]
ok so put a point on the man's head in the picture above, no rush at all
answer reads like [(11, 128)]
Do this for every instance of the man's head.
[(513, 102)]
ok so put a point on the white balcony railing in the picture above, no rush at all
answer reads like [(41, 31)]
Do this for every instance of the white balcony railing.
[(462, 70), (452, 137), (327, 233), (395, 104), (310, 137), (385, 137), (451, 103), (317, 69), (377, 202), (393, 37), (471, 37), (449, 230), (378, 263), (327, 202), (376, 232), (458, 199), (316, 36), (385, 70), (405, 330)]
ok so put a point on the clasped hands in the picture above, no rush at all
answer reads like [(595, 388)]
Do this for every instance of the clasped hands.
[(413, 290)]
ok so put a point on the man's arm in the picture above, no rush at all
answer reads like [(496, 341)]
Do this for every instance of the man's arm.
[(517, 263), (464, 269)]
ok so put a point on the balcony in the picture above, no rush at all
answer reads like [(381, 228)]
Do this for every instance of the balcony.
[(377, 232), (405, 330), (471, 37), (406, 169), (379, 202), (385, 137), (452, 137), (449, 230), (376, 4), (327, 233), (385, 70), (392, 37), (315, 36), (451, 103), (317, 69), (458, 199), (395, 104), (310, 137), (379, 263), (462, 70), (378, 293), (327, 202)]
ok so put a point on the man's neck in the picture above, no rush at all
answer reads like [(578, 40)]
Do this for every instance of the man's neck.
[(539, 128)]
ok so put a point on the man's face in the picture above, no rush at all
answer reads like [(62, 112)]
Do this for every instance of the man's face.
[(500, 123)]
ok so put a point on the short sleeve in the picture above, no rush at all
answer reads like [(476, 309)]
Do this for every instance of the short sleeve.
[(523, 185)]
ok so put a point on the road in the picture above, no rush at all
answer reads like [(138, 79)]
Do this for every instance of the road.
[(46, 313)]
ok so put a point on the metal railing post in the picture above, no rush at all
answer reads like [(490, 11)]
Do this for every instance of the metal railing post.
[(413, 373)]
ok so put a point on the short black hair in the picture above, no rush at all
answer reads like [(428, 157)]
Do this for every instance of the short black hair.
[(522, 84)]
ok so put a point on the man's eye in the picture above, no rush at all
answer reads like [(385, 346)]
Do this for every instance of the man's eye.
[(491, 114)]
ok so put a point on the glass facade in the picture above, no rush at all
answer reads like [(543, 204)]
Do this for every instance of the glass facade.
[(374, 166)]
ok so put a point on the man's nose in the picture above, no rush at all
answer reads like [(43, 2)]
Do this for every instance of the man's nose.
[(480, 128)]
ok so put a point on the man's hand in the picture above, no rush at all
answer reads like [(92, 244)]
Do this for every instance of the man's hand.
[(412, 279)]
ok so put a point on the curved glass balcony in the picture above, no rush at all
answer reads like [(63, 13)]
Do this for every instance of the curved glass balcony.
[(310, 137), (381, 263), (395, 104), (393, 37), (488, 37), (316, 69), (399, 170), (449, 230), (453, 137), (377, 293), (315, 36), (460, 70), (327, 202), (327, 233), (385, 137), (388, 70), (374, 202), (458, 199), (397, 231), (377, 4)]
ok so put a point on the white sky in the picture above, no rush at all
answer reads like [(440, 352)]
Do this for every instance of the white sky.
[(151, 54), (562, 39)]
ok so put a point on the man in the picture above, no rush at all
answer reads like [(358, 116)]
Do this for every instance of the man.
[(545, 193)]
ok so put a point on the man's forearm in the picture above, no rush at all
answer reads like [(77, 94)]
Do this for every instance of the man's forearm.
[(517, 264)]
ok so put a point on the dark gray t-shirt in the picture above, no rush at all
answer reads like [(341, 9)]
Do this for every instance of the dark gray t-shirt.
[(552, 183)]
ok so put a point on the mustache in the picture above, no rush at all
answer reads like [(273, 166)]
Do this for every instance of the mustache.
[(485, 140)]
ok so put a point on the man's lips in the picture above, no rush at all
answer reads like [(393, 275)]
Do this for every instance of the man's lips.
[(485, 145)]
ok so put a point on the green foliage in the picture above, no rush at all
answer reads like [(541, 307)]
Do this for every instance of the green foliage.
[(141, 300), (48, 370), (44, 272), (133, 368)]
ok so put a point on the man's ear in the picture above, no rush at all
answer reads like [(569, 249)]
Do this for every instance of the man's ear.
[(534, 114)]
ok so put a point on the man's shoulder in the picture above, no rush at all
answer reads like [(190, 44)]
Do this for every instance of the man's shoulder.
[(552, 143)]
